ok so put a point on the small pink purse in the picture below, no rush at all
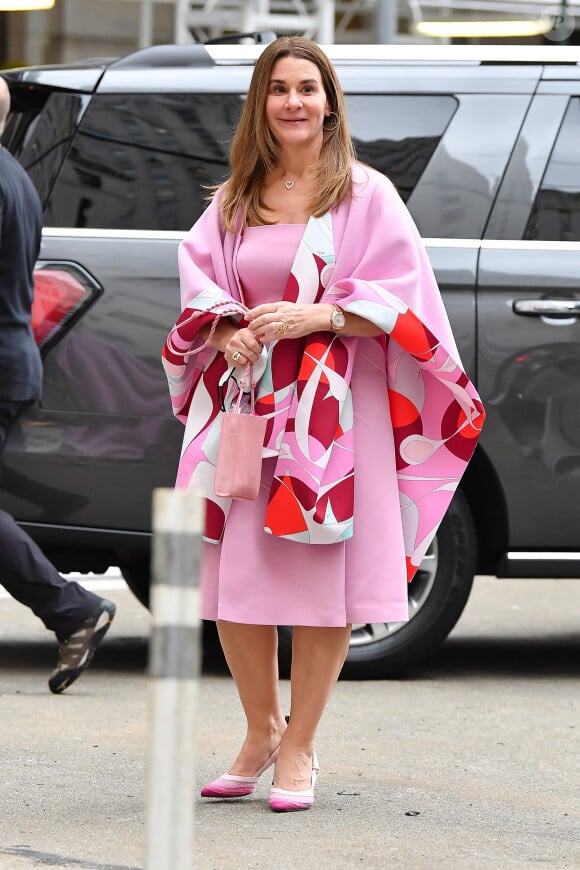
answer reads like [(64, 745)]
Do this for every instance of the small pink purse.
[(239, 459)]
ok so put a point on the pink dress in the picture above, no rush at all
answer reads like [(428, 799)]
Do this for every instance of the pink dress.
[(256, 578)]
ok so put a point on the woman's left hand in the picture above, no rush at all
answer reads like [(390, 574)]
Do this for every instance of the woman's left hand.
[(287, 320)]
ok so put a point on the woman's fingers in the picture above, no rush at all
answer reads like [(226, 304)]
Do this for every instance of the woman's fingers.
[(262, 310), (275, 325), (284, 320), (242, 348)]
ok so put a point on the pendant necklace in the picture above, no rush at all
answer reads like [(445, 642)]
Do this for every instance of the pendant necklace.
[(290, 185)]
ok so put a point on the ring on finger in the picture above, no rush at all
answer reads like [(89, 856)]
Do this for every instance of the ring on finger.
[(282, 327), (236, 355)]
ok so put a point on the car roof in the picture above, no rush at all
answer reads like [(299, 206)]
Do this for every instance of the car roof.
[(85, 75), (416, 53)]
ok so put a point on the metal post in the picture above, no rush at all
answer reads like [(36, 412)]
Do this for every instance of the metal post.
[(181, 33), (386, 21), (145, 23), (325, 15), (173, 675), (565, 23)]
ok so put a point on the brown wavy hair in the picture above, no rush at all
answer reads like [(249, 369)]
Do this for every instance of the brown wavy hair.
[(255, 152)]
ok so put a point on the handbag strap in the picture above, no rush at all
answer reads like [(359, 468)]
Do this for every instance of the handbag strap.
[(248, 373), (195, 315)]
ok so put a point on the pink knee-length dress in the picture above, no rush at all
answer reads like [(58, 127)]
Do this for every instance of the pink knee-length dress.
[(256, 578)]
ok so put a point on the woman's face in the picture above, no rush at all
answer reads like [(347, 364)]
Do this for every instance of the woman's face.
[(296, 105)]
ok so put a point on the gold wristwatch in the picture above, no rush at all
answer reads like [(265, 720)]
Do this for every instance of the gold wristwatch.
[(337, 319)]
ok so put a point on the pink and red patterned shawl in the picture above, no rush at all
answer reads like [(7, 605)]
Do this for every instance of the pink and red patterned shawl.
[(367, 256)]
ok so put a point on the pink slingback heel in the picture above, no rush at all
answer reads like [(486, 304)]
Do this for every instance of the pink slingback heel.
[(229, 785), (283, 801)]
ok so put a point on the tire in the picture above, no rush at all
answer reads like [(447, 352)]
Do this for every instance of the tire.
[(437, 596), (137, 574)]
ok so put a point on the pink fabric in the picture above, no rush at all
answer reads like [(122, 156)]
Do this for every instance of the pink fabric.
[(267, 250), (367, 256), (285, 582)]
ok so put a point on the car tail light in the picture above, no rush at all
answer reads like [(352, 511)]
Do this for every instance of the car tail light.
[(62, 293)]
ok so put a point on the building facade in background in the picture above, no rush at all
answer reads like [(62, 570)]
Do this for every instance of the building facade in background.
[(76, 29)]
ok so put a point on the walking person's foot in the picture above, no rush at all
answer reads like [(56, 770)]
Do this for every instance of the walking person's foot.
[(76, 651)]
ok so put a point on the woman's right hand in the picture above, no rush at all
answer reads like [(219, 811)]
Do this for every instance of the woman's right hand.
[(241, 347)]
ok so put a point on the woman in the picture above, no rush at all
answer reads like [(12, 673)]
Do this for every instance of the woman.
[(308, 266)]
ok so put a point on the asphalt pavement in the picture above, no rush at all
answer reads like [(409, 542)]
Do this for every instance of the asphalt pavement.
[(472, 763)]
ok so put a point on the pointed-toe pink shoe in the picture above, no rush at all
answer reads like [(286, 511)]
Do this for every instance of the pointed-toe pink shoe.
[(229, 785), (283, 801)]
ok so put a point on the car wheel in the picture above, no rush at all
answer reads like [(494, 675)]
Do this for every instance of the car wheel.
[(137, 574), (437, 594)]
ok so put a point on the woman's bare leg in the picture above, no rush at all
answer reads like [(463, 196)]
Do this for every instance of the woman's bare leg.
[(318, 655), (251, 652)]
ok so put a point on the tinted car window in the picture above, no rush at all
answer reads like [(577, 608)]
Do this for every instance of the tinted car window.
[(398, 134), (39, 131), (556, 212), (139, 164)]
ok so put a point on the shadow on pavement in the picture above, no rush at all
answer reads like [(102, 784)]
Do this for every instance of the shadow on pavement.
[(528, 657), (120, 654), (525, 657)]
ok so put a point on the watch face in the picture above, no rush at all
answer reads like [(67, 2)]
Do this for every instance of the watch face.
[(338, 319)]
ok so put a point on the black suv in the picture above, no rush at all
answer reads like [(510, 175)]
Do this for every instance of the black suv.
[(483, 147)]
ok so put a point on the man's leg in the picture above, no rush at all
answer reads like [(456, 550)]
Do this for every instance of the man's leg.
[(78, 617), (29, 577)]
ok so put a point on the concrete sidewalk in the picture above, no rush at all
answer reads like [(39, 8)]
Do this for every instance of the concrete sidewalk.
[(472, 764)]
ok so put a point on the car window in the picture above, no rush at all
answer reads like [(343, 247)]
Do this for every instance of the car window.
[(138, 164), (555, 214), (144, 164), (398, 134), (39, 131)]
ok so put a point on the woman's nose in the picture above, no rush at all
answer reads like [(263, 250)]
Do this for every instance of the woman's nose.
[(293, 100)]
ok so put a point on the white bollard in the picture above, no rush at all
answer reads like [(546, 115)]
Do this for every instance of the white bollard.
[(174, 654)]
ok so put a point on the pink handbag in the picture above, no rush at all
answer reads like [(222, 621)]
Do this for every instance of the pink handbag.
[(239, 460)]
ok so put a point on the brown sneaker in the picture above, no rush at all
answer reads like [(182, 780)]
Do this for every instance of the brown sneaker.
[(76, 652)]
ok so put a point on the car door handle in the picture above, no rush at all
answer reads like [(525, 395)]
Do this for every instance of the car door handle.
[(548, 307)]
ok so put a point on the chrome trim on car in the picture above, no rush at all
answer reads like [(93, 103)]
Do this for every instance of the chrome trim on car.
[(502, 244), (71, 232), (172, 235), (452, 243), (513, 245), (404, 53), (547, 307), (545, 557)]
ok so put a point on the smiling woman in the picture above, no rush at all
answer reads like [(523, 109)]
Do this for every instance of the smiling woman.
[(296, 110), (307, 267)]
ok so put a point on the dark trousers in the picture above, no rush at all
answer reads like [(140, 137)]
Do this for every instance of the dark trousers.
[(27, 574)]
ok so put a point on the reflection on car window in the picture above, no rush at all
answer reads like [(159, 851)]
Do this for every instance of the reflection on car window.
[(398, 134), (145, 164), (40, 127), (556, 212)]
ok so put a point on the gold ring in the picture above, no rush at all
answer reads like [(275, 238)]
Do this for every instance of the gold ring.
[(236, 355), (282, 327)]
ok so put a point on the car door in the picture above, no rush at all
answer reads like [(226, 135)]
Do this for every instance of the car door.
[(529, 334)]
